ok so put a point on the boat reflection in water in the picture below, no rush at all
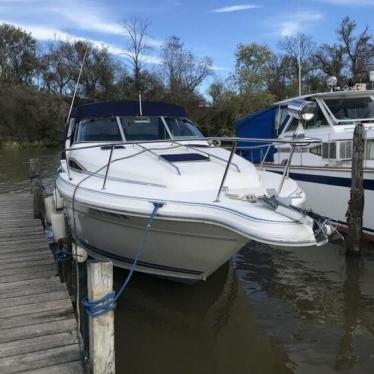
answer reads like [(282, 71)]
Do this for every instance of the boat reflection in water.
[(165, 327), (318, 306)]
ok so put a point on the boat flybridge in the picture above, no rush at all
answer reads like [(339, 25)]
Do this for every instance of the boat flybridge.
[(123, 165), (322, 170)]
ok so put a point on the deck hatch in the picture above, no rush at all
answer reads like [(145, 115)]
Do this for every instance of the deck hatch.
[(184, 157)]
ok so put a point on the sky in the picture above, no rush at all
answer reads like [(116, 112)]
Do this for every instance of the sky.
[(207, 27)]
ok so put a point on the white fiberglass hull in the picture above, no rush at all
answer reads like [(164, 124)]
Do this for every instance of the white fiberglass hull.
[(193, 232), (328, 192), (176, 249)]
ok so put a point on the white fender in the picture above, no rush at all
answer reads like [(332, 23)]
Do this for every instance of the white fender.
[(59, 201), (50, 208), (58, 226), (79, 254)]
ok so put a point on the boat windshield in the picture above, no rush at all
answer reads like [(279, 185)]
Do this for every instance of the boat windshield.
[(98, 130), (144, 128), (351, 109), (182, 127)]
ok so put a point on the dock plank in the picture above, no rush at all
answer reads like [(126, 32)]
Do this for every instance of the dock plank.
[(38, 330)]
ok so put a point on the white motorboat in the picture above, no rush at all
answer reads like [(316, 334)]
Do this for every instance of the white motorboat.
[(118, 165), (323, 171)]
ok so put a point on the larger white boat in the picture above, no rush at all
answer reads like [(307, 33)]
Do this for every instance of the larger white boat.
[(323, 171), (120, 168)]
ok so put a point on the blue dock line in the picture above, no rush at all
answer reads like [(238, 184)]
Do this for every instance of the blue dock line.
[(109, 302)]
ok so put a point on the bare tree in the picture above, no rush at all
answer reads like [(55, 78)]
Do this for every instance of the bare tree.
[(300, 49), (330, 60), (359, 49), (137, 46), (182, 71)]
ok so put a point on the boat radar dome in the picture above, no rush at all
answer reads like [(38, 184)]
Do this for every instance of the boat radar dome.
[(332, 82), (302, 109)]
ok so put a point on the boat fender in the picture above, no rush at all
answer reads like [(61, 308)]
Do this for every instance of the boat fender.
[(59, 201), (58, 226), (80, 254), (50, 208)]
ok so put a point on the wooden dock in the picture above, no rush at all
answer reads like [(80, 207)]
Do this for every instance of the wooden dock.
[(38, 330)]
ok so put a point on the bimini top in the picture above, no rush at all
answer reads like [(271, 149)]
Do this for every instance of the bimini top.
[(126, 108)]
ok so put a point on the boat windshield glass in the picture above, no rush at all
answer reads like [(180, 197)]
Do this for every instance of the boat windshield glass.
[(182, 127), (351, 108), (144, 128), (98, 130)]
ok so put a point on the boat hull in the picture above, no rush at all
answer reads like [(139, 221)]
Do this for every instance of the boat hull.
[(179, 249), (328, 192)]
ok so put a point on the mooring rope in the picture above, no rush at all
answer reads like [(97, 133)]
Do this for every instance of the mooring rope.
[(109, 302)]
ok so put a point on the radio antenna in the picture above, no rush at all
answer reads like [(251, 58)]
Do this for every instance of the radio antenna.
[(140, 104), (76, 85)]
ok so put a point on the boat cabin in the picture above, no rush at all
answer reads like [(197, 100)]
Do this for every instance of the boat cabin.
[(336, 115), (129, 121)]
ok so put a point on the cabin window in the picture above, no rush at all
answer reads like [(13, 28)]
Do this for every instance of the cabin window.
[(329, 150), (293, 125), (351, 108), (316, 150), (143, 128), (98, 130), (370, 150), (73, 164), (345, 151), (317, 121), (181, 127)]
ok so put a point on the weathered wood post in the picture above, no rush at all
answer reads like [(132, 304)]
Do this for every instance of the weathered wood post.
[(36, 188), (356, 202), (101, 328), (34, 171)]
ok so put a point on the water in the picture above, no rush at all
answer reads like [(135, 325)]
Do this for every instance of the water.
[(301, 310)]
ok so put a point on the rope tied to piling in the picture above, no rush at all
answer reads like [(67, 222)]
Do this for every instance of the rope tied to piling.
[(108, 302), (62, 256)]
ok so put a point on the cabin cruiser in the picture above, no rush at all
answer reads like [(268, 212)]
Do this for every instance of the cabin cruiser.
[(323, 170), (122, 160)]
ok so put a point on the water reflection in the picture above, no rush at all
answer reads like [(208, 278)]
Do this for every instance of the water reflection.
[(165, 327), (312, 303), (14, 168)]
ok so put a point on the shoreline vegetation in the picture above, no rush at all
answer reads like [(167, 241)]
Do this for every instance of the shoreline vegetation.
[(37, 79)]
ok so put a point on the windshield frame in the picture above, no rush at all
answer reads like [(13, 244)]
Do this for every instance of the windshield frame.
[(123, 136), (345, 121)]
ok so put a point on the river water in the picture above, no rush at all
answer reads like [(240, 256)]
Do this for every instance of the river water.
[(299, 310)]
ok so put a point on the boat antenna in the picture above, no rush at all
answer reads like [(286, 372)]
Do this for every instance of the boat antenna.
[(299, 52), (77, 83), (140, 104)]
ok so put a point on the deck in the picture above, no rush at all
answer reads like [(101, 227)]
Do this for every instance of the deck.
[(38, 330)]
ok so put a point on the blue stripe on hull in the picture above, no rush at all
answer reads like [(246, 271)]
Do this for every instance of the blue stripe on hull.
[(127, 260), (324, 179)]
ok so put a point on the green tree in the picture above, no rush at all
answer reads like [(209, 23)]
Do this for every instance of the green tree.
[(252, 67), (18, 59)]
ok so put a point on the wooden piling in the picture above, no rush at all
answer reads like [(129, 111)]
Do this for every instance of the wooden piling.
[(101, 328), (356, 203)]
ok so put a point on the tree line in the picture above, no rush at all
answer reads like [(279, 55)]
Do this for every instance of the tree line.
[(37, 79)]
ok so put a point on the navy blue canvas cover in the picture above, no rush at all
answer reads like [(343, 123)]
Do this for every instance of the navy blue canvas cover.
[(260, 124), (126, 108)]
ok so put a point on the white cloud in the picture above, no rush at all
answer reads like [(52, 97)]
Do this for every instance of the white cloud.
[(236, 8), (90, 16), (44, 33), (299, 22)]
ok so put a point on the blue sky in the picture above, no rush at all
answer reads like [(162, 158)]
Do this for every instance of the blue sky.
[(207, 27)]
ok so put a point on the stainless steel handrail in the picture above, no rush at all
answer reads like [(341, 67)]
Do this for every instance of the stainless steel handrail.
[(108, 165), (207, 154), (292, 142), (160, 158), (226, 171)]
